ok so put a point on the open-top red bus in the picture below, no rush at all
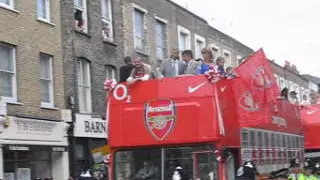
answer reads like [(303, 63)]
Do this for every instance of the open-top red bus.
[(207, 128)]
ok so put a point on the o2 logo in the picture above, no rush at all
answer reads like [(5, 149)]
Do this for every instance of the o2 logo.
[(120, 93)]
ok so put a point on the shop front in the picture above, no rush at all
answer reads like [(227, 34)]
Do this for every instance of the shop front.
[(33, 148), (90, 133)]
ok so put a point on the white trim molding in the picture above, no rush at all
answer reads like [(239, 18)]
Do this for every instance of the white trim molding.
[(161, 19), (135, 6), (230, 57), (182, 30), (196, 39)]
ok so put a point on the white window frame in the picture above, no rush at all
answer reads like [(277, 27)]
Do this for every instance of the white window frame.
[(144, 40), (113, 73), (84, 10), (277, 79), (282, 83), (196, 39), (238, 59), (230, 58), (8, 6), (51, 89), (89, 98), (182, 30), (164, 22), (14, 98), (213, 46), (48, 12), (107, 21)]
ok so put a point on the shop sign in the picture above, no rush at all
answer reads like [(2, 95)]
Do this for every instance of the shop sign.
[(86, 126), (35, 148), (25, 129)]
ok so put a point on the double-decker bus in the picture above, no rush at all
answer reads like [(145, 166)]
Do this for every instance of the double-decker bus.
[(205, 128)]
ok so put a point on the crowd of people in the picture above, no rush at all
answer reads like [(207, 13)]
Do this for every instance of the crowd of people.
[(310, 171), (173, 66)]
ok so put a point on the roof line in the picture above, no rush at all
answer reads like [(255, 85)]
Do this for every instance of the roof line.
[(232, 38), (302, 77), (186, 10)]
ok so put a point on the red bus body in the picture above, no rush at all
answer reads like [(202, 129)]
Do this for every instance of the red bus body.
[(241, 114)]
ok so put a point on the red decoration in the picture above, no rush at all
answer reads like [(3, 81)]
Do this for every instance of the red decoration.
[(109, 85)]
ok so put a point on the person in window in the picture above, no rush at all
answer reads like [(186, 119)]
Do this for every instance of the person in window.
[(172, 66), (208, 60), (147, 172), (78, 19), (125, 70), (141, 72), (191, 64), (220, 66)]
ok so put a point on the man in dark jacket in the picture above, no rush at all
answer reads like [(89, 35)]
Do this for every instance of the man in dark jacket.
[(126, 70)]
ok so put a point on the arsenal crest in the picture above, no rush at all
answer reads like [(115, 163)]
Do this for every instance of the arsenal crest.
[(247, 102), (261, 79), (160, 118)]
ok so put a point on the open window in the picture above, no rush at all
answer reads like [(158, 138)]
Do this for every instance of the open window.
[(80, 15)]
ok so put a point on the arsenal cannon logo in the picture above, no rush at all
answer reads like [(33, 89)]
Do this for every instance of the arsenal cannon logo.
[(160, 117)]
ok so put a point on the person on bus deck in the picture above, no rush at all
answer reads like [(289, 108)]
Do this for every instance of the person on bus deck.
[(208, 60), (304, 101), (172, 66), (293, 97), (246, 172), (295, 171), (191, 64), (140, 72), (230, 73), (281, 174), (284, 93), (220, 65), (125, 70)]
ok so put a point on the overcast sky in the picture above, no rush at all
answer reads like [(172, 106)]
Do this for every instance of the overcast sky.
[(286, 29)]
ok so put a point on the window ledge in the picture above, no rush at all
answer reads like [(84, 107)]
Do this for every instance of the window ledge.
[(82, 33), (9, 8), (142, 52), (50, 107), (14, 102), (46, 21), (110, 42)]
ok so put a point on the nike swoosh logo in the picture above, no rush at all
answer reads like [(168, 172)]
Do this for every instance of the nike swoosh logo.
[(223, 88), (193, 89), (311, 112)]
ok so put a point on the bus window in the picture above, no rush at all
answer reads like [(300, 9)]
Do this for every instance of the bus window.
[(194, 162), (244, 138)]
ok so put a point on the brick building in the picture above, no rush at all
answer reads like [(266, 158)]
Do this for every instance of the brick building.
[(32, 133), (91, 34), (291, 79), (153, 28)]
